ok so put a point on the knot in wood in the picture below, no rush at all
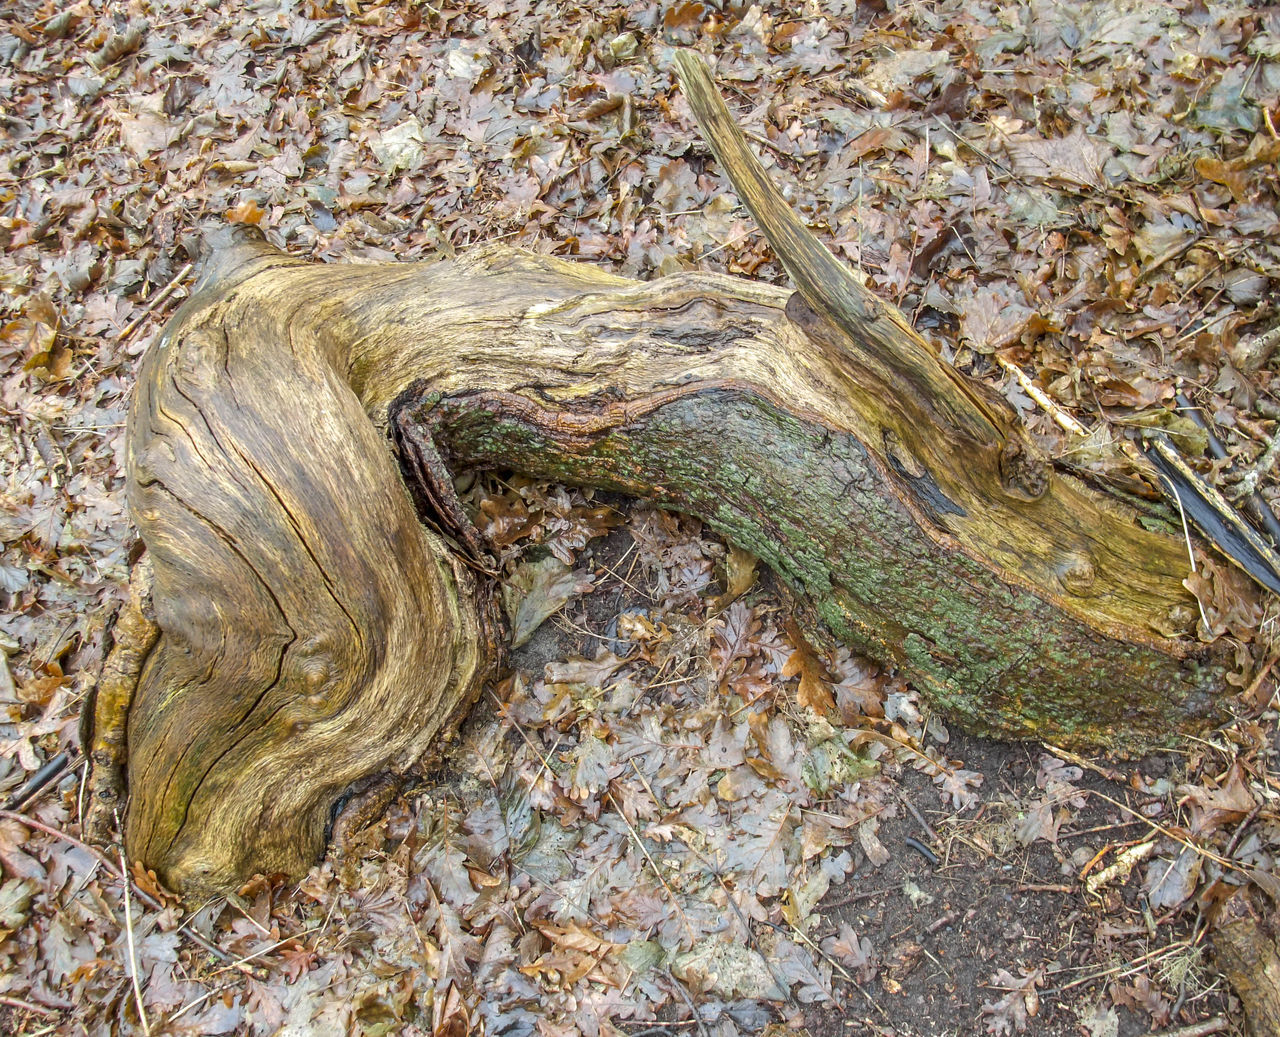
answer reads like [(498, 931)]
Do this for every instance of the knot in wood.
[(1022, 474), (200, 357), (314, 671), (153, 460), (1077, 573)]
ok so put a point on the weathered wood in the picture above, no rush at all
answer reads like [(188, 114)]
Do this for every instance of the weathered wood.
[(292, 585), (1246, 949), (312, 633)]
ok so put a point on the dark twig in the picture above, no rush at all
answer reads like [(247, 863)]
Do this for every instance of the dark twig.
[(937, 841), (52, 769), (1220, 453), (684, 996), (156, 300), (1240, 829), (1215, 1025)]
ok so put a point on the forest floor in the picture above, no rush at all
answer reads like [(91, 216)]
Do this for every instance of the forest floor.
[(647, 827)]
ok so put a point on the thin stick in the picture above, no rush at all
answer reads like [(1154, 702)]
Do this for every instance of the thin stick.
[(1121, 971), (545, 758), (728, 894), (198, 1001), (1165, 832), (937, 840), (25, 1006), (684, 996), (675, 902), (1054, 411), (133, 950), (13, 815), (267, 950), (975, 149), (1066, 754), (1235, 838), (156, 300), (1191, 551), (1215, 1025)]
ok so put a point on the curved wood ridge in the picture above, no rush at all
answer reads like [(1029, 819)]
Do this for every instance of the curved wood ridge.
[(292, 586), (312, 632)]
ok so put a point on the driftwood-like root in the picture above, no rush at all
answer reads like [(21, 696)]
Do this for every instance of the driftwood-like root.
[(310, 632)]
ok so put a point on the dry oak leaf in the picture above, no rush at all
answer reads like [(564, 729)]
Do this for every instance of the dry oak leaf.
[(507, 518), (1214, 807), (851, 950), (1072, 161), (246, 212), (1020, 1001), (814, 690), (1232, 172)]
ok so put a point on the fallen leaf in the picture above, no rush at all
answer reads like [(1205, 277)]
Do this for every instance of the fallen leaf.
[(851, 950), (1170, 882), (246, 212), (536, 590), (1216, 805), (1020, 1002), (1074, 161), (814, 689)]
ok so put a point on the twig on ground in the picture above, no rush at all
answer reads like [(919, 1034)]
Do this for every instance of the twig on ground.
[(1187, 843), (1215, 1025), (776, 148), (684, 996), (869, 894), (675, 902), (1248, 485), (50, 772), (1252, 696), (906, 801), (1122, 970), (143, 896), (1235, 836), (195, 1002), (156, 300), (975, 149), (267, 950), (133, 950), (1066, 754), (1065, 420), (25, 1006), (544, 757)]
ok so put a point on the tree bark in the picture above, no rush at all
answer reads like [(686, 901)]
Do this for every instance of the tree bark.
[(305, 631)]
